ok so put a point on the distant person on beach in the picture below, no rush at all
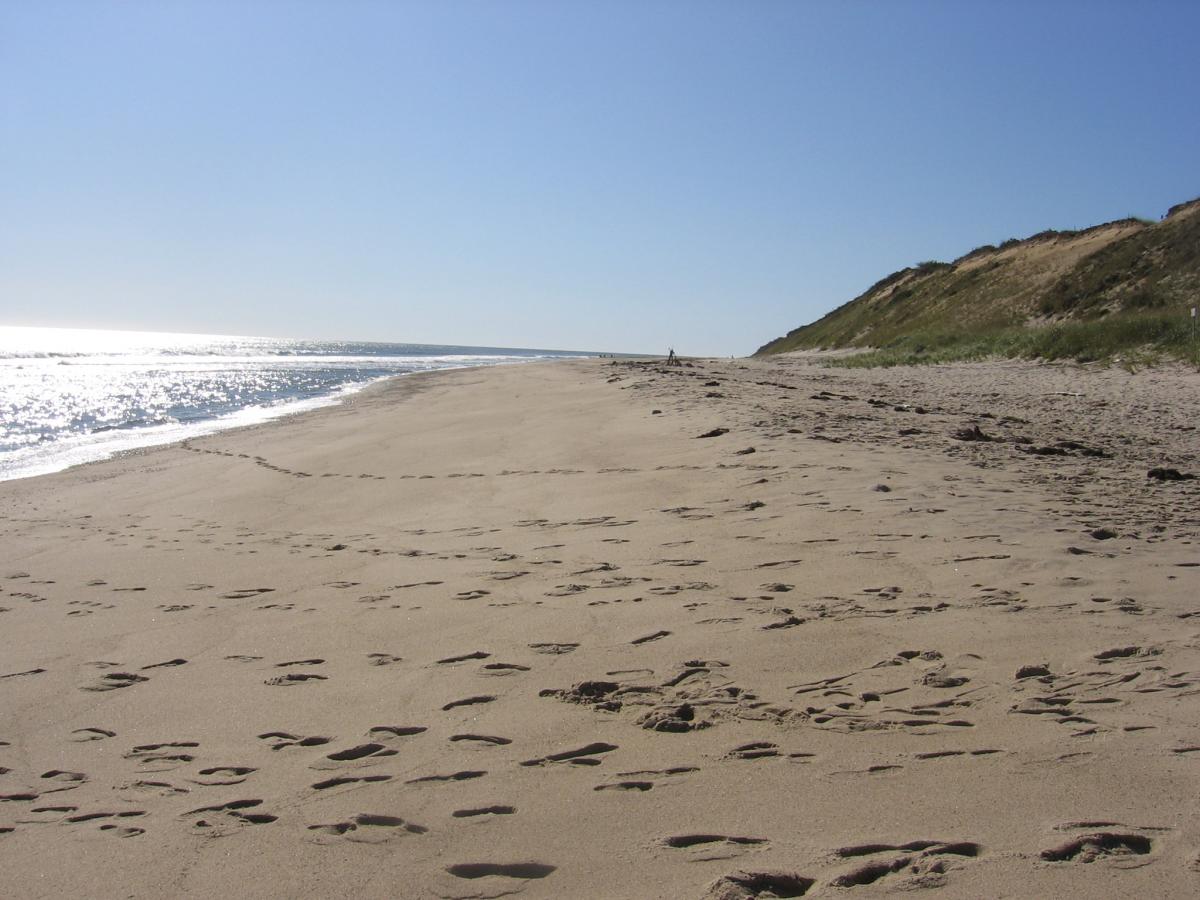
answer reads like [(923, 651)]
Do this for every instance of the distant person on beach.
[(672, 359)]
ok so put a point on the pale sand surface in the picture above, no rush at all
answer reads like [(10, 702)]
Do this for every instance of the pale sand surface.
[(337, 655)]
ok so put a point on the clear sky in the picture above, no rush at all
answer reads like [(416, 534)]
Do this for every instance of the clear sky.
[(607, 175)]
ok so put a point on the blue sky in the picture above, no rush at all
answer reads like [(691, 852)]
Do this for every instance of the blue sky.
[(609, 175)]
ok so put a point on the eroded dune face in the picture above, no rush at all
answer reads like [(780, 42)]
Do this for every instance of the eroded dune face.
[(523, 630)]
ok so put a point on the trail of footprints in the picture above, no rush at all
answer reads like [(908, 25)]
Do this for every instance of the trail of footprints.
[(918, 691)]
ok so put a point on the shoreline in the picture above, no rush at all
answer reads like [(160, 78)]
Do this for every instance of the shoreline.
[(509, 629), (139, 439)]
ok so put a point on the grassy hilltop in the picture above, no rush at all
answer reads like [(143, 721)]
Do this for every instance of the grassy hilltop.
[(1120, 288)]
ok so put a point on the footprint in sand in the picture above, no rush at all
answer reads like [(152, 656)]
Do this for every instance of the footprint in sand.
[(283, 739), (1122, 849), (522, 870), (384, 732), (226, 817), (383, 659), (62, 781), (919, 863), (466, 775), (553, 649), (500, 669), (581, 756), (114, 681), (704, 847), (81, 735), (342, 780), (368, 828), (468, 701), (647, 638), (164, 756), (481, 739), (465, 657), (484, 811), (743, 885), (294, 678), (223, 776), (646, 779), (370, 752)]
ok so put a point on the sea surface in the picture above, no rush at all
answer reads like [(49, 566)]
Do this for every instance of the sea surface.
[(69, 396)]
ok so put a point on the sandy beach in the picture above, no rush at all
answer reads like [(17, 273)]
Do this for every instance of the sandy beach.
[(604, 628)]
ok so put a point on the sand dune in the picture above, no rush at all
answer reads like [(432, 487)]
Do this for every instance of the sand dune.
[(531, 630)]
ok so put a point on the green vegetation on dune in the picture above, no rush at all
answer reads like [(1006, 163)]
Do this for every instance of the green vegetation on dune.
[(1119, 288), (1135, 339)]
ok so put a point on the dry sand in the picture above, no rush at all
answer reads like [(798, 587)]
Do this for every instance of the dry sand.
[(520, 629)]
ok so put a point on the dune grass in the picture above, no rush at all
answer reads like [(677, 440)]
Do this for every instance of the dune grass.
[(1132, 339)]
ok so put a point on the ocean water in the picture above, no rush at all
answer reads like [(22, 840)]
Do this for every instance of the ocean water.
[(69, 396)]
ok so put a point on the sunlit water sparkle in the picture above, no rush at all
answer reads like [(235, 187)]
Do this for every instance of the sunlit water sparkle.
[(69, 396)]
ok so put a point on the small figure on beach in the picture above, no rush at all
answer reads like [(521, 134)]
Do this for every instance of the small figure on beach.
[(672, 359)]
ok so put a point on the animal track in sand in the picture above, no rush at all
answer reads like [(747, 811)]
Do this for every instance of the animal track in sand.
[(370, 828), (223, 776), (170, 663), (468, 701)]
